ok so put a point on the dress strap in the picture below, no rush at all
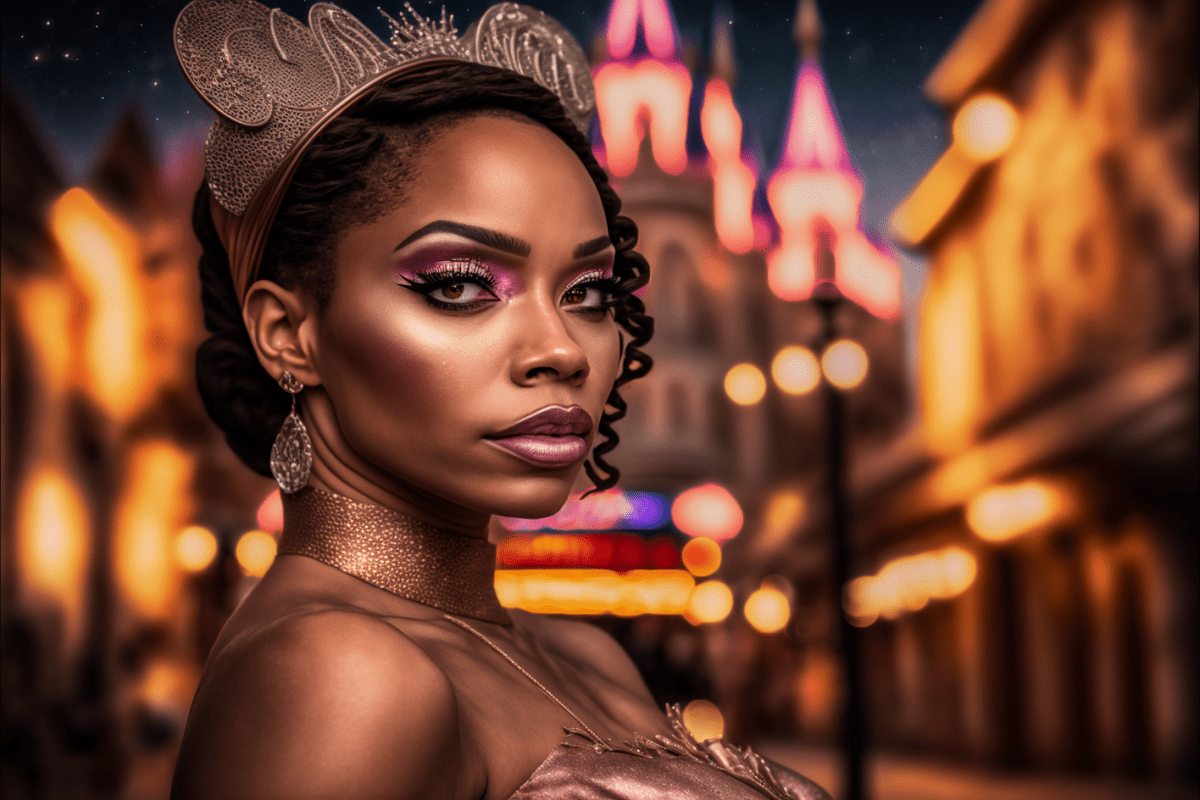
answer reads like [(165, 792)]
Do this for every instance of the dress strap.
[(523, 671)]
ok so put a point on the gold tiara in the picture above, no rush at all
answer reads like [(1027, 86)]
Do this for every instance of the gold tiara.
[(276, 83)]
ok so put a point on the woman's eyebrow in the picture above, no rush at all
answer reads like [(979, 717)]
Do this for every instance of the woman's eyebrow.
[(494, 239), (592, 246)]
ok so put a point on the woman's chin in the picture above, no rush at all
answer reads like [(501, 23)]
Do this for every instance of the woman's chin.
[(534, 499)]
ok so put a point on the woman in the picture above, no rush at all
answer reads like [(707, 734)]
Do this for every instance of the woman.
[(431, 264)]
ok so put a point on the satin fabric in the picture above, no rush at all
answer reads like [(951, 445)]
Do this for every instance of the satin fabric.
[(576, 771)]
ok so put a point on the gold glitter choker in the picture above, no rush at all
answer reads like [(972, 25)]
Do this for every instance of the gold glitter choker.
[(401, 555)]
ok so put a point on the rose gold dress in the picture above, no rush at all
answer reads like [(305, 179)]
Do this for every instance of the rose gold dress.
[(675, 768)]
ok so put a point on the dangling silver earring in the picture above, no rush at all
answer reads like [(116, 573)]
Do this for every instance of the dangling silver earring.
[(291, 455)]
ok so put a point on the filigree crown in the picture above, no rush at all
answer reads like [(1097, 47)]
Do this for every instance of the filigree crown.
[(275, 83), (271, 78)]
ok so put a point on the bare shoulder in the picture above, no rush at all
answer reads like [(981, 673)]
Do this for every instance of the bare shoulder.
[(323, 703), (587, 645)]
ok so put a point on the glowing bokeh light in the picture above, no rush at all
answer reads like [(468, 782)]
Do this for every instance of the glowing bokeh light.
[(745, 384), (657, 26), (631, 98), (195, 548), (1002, 512), (595, 591), (708, 510), (154, 504), (703, 720), (784, 512), (908, 584), (702, 557), (767, 610), (606, 510), (270, 513), (104, 259), (710, 601), (795, 370), (53, 542), (844, 363), (985, 126), (255, 553), (733, 180)]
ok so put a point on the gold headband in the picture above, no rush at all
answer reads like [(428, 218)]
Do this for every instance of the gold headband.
[(276, 83)]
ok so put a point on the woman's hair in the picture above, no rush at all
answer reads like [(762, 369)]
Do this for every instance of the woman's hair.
[(355, 171)]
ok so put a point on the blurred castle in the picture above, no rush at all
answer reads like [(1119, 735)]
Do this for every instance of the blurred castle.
[(1022, 536)]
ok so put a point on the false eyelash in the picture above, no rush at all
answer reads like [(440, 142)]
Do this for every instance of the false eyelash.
[(454, 271), (606, 283)]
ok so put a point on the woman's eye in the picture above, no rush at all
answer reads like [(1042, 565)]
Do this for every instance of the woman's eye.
[(458, 292), (588, 297)]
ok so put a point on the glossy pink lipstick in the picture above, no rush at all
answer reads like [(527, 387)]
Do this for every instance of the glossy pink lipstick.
[(550, 437)]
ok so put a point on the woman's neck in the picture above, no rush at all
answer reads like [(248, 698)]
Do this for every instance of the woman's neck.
[(394, 552), (338, 469)]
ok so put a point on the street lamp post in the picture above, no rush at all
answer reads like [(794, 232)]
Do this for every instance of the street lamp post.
[(828, 299)]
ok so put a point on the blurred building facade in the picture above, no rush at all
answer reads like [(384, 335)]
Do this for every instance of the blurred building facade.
[(1058, 408)]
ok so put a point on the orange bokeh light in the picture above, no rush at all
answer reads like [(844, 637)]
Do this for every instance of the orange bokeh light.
[(844, 363), (985, 127), (702, 557), (53, 541), (708, 511), (1003, 512), (745, 384), (767, 610), (595, 591), (255, 553), (710, 601), (795, 370), (195, 548), (703, 720), (908, 584)]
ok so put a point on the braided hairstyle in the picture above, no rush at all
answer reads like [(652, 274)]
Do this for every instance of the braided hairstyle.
[(355, 171)]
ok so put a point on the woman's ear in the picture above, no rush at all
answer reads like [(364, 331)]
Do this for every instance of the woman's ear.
[(282, 325)]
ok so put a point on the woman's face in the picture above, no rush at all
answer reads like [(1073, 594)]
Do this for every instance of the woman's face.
[(474, 305)]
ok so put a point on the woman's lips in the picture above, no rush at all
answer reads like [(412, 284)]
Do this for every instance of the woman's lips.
[(544, 450), (550, 437)]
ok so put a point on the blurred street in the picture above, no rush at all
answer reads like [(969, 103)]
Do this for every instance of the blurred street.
[(902, 777)]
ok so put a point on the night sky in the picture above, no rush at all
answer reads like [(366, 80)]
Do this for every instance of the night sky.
[(77, 64)]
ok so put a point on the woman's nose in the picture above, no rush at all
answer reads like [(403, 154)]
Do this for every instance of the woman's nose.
[(546, 350)]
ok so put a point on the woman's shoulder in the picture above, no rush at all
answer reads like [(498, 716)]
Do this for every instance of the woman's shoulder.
[(587, 646), (322, 701)]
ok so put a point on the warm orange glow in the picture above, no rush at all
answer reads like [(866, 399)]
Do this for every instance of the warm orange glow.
[(649, 90), (985, 127), (53, 542), (45, 312), (255, 553), (908, 584), (104, 260), (844, 363), (595, 591), (950, 366), (710, 601), (708, 511), (733, 180), (745, 384), (916, 217), (657, 26), (702, 557), (152, 507), (270, 513), (195, 548), (782, 517), (868, 277), (767, 610), (703, 720), (1003, 512), (795, 370)]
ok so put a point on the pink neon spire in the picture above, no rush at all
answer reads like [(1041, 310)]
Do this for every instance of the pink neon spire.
[(814, 139), (658, 26)]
